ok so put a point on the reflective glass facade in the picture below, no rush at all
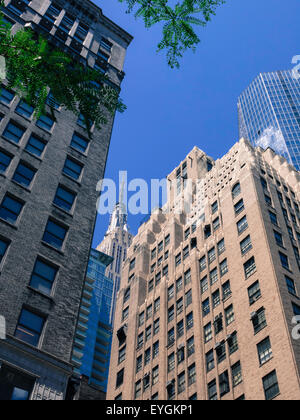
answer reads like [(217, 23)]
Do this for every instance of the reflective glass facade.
[(269, 114), (92, 344)]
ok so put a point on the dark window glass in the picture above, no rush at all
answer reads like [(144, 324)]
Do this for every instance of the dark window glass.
[(64, 198), (5, 160), (250, 267), (10, 209), (79, 143), (43, 277), (264, 350), (24, 175), (35, 145), (254, 292), (29, 327), (3, 248), (270, 384), (13, 132), (72, 168), (54, 234), (6, 96), (24, 109), (45, 122), (224, 383), (239, 207)]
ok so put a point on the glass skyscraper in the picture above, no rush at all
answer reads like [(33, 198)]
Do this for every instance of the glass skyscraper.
[(269, 114), (91, 352)]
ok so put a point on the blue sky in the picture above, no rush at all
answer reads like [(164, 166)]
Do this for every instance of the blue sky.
[(171, 111)]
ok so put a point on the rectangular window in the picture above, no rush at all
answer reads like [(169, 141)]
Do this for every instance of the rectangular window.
[(214, 207), (187, 277), (72, 168), (3, 248), (43, 276), (221, 352), (204, 285), (6, 96), (148, 333), (229, 315), (10, 209), (13, 132), (141, 318), (45, 122), (138, 389), (284, 261), (81, 32), (210, 361), (236, 371), (179, 306), (291, 286), (167, 240), (254, 292), (171, 362), (259, 320), (171, 313), (55, 234), (156, 305), (178, 260), (192, 374), (211, 255), (29, 328), (208, 333), (242, 225), (64, 198), (216, 223), (189, 321), (79, 143), (213, 276), (125, 313), (188, 298), (180, 329), (226, 289), (35, 146), (264, 350), (202, 263), (296, 309), (233, 345), (181, 382), (223, 267), (224, 383), (155, 375), (5, 161), (278, 238), (205, 307), (212, 391), (147, 356), (24, 109), (218, 324), (273, 218), (271, 387), (190, 346), (139, 364), (140, 341), (24, 175), (179, 284), (239, 207), (155, 350), (216, 298), (122, 355), (149, 312), (171, 292), (221, 247), (250, 267), (246, 245)]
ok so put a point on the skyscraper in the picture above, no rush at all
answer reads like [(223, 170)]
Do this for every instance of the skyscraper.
[(269, 114), (116, 242), (91, 352), (207, 304), (49, 172)]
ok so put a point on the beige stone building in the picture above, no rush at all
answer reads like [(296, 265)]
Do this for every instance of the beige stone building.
[(208, 300)]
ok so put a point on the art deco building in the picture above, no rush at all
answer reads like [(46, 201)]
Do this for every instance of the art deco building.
[(207, 300), (48, 173), (269, 114), (116, 242)]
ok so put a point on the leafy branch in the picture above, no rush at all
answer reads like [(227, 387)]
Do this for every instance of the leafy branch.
[(33, 67), (178, 22)]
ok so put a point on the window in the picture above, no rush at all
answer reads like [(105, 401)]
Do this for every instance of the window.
[(218, 324), (10, 209), (180, 329), (239, 207), (250, 267), (224, 383), (141, 318), (221, 352), (149, 312), (53, 12), (5, 161), (167, 240), (291, 286), (171, 362), (268, 200), (236, 190), (207, 231), (204, 285), (216, 223), (242, 225), (264, 351), (202, 263), (55, 234), (147, 356), (81, 32), (179, 306), (212, 391), (236, 371), (205, 307), (155, 375), (52, 102), (79, 143), (166, 270), (181, 382), (67, 23), (296, 309), (226, 289), (6, 96), (180, 354), (150, 285), (45, 122), (190, 346), (148, 333), (24, 109), (178, 260), (138, 389), (211, 255), (192, 374), (223, 267), (210, 361), (125, 313), (64, 198), (213, 276), (189, 321), (72, 168), (278, 238), (29, 328), (233, 343), (171, 313), (221, 247), (259, 320), (155, 350), (156, 305), (179, 284), (43, 276), (270, 384), (156, 327), (24, 175), (273, 218), (3, 248), (13, 132), (171, 292), (188, 298), (140, 341), (284, 261), (15, 385), (229, 315), (208, 332), (187, 277), (264, 183), (153, 254), (187, 233), (35, 146), (122, 355), (157, 278), (214, 207), (246, 245), (216, 298), (254, 292), (171, 390), (107, 45)]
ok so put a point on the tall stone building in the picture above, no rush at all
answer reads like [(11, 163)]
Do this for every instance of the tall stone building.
[(208, 299), (116, 242), (269, 113), (49, 171)]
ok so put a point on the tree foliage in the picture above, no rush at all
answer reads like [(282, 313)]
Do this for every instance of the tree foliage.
[(179, 21), (33, 68)]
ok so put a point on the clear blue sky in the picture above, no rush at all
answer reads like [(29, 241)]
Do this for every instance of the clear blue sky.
[(171, 111)]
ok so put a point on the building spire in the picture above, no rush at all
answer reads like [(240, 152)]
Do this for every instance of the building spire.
[(118, 218)]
